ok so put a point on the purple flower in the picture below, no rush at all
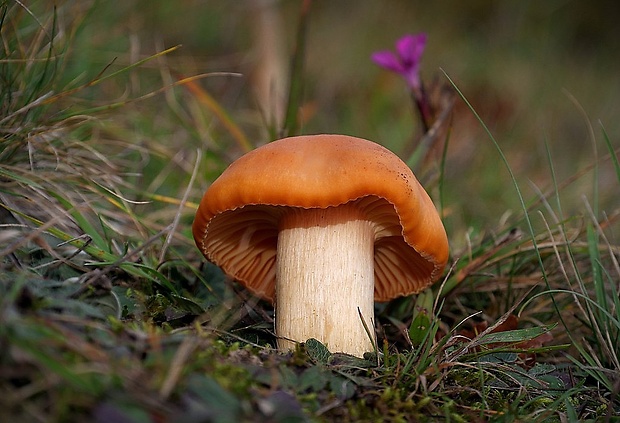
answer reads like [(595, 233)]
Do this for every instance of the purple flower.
[(406, 60)]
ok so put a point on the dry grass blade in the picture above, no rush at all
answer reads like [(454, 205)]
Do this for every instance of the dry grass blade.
[(177, 216), (205, 99), (182, 355)]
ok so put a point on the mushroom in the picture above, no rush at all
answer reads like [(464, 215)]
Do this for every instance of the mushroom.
[(322, 226)]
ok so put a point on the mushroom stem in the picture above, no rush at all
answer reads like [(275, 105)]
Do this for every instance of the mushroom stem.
[(324, 275)]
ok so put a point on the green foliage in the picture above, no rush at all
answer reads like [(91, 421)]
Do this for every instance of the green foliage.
[(109, 313)]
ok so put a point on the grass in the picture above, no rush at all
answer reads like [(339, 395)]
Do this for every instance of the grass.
[(109, 313)]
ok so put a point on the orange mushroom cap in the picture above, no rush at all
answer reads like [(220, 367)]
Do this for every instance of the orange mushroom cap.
[(237, 222)]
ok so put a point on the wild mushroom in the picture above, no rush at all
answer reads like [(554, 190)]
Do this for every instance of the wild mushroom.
[(322, 225)]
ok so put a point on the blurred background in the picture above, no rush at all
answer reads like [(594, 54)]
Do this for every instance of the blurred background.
[(536, 72)]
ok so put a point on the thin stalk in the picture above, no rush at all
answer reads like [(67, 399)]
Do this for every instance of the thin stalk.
[(295, 92)]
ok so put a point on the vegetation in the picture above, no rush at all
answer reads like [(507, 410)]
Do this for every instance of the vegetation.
[(111, 130)]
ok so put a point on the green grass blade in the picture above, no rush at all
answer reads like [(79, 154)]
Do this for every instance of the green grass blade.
[(613, 154), (18, 178), (82, 222), (104, 257), (513, 336), (296, 86)]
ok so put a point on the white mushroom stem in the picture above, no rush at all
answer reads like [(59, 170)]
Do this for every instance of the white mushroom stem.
[(324, 275)]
